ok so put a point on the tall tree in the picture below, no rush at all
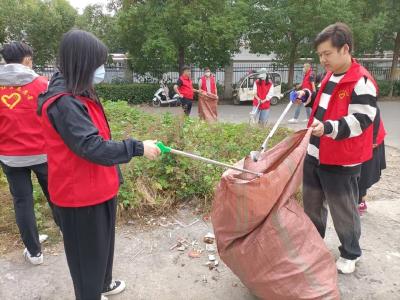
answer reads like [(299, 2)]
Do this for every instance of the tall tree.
[(15, 15), (287, 28), (283, 27), (102, 25), (161, 34), (40, 23), (389, 37), (49, 21)]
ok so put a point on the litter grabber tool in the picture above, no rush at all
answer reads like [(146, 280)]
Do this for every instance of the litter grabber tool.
[(293, 96), (256, 154), (165, 149)]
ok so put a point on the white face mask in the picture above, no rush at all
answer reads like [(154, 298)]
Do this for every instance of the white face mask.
[(99, 74), (263, 76), (208, 74)]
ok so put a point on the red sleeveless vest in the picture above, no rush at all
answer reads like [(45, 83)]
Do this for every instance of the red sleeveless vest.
[(186, 90), (20, 128), (263, 88), (212, 84), (352, 150), (73, 180), (306, 84)]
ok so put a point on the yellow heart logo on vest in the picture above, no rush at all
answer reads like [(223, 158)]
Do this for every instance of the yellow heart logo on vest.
[(11, 100), (343, 93)]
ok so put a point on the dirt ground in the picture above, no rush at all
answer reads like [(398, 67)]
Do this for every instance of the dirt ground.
[(152, 270)]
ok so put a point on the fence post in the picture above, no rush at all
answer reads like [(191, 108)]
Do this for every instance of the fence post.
[(228, 81)]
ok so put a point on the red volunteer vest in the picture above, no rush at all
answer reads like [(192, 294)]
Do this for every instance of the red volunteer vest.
[(349, 151), (74, 181), (20, 128), (212, 84), (186, 90), (306, 84), (263, 88)]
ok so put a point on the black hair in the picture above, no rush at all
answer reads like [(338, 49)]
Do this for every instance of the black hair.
[(339, 33), (80, 54), (15, 52), (185, 67)]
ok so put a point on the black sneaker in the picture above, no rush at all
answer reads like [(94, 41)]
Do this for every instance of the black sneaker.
[(115, 287)]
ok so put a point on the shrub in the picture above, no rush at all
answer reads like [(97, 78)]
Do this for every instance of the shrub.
[(384, 88), (284, 87), (172, 179), (396, 89), (135, 93), (155, 186)]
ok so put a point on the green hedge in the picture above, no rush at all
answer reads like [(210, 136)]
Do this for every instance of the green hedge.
[(135, 93), (384, 88)]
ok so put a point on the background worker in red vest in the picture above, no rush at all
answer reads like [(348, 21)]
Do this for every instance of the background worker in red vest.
[(184, 88), (344, 110), (308, 83), (207, 83), (83, 160), (263, 92), (22, 147)]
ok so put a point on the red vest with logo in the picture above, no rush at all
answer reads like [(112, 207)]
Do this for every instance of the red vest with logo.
[(263, 88), (306, 84), (212, 84), (352, 150), (186, 89), (20, 128), (73, 180)]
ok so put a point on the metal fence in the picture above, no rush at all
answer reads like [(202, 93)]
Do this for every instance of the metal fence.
[(119, 74), (243, 69), (379, 72)]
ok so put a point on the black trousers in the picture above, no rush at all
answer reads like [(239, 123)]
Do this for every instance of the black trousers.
[(89, 235), (186, 105), (323, 187), (20, 184)]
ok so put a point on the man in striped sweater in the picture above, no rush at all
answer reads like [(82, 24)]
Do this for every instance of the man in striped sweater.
[(344, 109)]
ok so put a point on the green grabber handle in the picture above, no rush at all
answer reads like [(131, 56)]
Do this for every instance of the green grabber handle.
[(164, 149)]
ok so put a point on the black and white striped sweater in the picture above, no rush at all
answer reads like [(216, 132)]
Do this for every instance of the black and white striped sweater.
[(361, 113)]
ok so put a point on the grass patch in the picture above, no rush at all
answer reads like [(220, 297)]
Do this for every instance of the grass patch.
[(159, 186)]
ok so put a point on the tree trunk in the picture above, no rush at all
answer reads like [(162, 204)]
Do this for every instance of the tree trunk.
[(181, 58), (128, 72), (393, 70), (292, 60), (228, 81), (291, 74)]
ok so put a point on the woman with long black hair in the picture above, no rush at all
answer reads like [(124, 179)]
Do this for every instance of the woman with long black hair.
[(83, 164)]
